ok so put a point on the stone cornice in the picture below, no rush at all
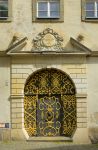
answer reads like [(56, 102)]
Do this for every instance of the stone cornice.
[(2, 53), (47, 53), (94, 54)]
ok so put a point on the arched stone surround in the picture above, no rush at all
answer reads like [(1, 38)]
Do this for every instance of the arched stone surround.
[(21, 69)]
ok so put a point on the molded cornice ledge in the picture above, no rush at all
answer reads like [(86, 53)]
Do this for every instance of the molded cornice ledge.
[(94, 54), (22, 96), (2, 53)]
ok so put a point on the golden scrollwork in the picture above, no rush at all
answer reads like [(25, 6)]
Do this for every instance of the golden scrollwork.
[(30, 114), (50, 104)]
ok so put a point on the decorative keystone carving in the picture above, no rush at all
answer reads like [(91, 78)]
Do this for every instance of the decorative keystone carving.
[(48, 40)]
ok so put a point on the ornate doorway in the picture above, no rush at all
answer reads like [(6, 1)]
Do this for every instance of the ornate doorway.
[(50, 104)]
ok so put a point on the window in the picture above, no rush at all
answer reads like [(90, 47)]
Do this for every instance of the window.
[(4, 10), (90, 9), (48, 10)]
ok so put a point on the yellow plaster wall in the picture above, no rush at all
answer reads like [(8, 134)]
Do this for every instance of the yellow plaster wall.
[(21, 25), (4, 90)]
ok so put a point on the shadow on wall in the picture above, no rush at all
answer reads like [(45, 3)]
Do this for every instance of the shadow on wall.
[(93, 131), (93, 134)]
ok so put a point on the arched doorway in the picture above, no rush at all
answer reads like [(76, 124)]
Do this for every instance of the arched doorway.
[(50, 104)]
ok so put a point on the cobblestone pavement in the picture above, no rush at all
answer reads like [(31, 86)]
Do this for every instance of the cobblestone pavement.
[(44, 146)]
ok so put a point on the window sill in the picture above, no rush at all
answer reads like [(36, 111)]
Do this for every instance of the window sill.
[(47, 20), (92, 20), (6, 21), (48, 17)]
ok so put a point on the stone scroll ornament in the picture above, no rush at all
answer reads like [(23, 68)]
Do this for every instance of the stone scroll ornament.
[(48, 40)]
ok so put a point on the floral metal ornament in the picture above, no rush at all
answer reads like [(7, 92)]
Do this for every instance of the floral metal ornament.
[(50, 104), (48, 40)]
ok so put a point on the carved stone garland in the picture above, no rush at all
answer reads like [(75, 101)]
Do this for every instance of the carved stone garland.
[(48, 40)]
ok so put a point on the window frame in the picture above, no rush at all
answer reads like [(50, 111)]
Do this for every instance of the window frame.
[(83, 11), (38, 19), (9, 12), (48, 10)]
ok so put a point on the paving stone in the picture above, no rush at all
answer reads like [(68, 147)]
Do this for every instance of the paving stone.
[(14, 145)]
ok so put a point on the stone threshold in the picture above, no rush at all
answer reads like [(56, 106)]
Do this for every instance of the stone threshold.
[(50, 139)]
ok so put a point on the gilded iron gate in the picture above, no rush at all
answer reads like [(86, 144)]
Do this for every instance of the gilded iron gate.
[(50, 104), (48, 115)]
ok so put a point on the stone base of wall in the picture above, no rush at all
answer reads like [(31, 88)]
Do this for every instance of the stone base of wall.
[(5, 134), (80, 137), (17, 135)]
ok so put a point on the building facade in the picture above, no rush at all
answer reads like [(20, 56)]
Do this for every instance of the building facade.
[(48, 70)]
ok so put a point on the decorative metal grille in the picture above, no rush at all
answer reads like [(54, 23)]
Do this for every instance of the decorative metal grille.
[(50, 104)]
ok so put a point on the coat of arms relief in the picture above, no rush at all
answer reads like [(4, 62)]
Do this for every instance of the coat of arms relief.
[(48, 40)]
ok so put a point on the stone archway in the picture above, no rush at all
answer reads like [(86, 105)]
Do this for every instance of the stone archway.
[(50, 104)]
